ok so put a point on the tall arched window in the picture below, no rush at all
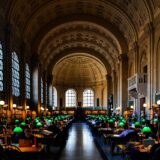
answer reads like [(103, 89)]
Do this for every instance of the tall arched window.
[(15, 75), (46, 93), (1, 68), (54, 97), (50, 95), (71, 98), (41, 90), (27, 80), (88, 98)]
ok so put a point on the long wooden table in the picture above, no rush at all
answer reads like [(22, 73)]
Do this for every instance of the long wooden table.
[(32, 148)]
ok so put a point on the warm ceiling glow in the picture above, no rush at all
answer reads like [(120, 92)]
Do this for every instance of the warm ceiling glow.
[(27, 107)]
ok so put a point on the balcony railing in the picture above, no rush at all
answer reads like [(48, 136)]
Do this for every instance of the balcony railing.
[(136, 80)]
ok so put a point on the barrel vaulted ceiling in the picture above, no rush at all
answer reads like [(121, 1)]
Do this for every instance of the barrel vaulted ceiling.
[(100, 28)]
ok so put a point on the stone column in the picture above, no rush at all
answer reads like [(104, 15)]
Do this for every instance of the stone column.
[(8, 66), (22, 76), (50, 91), (109, 91), (45, 85), (36, 84), (123, 93), (151, 80), (114, 87)]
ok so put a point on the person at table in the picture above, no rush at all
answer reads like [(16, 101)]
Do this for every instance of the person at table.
[(54, 128), (122, 138)]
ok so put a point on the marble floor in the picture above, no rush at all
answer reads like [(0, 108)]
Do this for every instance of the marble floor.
[(80, 144)]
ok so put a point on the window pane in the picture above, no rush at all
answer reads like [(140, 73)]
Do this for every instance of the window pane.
[(70, 98), (27, 80), (54, 97), (15, 75), (88, 98), (1, 68)]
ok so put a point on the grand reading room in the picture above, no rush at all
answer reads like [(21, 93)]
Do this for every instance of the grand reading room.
[(79, 79)]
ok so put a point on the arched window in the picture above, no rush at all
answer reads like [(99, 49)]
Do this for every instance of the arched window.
[(71, 98), (88, 98), (1, 68), (50, 95), (41, 90), (27, 80), (54, 97), (46, 94), (15, 75)]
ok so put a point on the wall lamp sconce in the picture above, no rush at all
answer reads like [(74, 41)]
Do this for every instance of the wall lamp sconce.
[(42, 109), (27, 107), (14, 105), (2, 103), (144, 105), (131, 107), (158, 102)]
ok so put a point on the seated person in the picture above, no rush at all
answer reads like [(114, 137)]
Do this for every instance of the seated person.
[(54, 128), (126, 132), (122, 138)]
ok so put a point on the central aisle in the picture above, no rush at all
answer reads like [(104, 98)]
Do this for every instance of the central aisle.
[(80, 144)]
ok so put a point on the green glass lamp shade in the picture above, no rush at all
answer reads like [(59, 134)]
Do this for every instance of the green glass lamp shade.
[(18, 130), (49, 121), (110, 121), (123, 120), (121, 124), (155, 120), (36, 120), (17, 120), (56, 119), (143, 120), (137, 124), (28, 118), (23, 124), (146, 129), (39, 124)]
